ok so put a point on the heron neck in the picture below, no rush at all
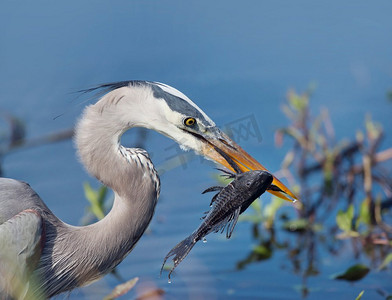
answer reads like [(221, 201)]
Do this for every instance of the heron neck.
[(81, 255), (106, 243), (99, 247), (97, 139), (128, 172)]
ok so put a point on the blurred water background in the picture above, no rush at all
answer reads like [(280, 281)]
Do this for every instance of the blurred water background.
[(236, 60)]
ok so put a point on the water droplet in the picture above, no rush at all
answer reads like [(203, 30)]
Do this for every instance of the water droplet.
[(169, 281), (204, 240)]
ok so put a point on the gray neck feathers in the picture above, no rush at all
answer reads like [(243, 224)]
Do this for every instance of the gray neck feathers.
[(80, 255)]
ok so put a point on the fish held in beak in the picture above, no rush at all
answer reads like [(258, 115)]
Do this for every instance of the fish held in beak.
[(223, 150)]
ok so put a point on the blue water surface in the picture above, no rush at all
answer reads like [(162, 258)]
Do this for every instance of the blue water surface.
[(236, 60)]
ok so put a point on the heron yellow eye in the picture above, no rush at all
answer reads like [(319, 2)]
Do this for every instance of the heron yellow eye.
[(190, 121)]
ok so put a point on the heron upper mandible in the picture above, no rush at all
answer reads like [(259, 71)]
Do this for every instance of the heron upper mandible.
[(41, 256)]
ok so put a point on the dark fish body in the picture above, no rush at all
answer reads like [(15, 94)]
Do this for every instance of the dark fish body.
[(227, 205)]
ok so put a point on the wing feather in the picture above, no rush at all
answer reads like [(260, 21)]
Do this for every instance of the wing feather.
[(21, 240)]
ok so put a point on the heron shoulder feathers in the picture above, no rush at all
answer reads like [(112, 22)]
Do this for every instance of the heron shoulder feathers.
[(142, 160)]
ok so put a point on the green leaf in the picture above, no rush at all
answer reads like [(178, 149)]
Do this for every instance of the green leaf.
[(96, 199), (262, 251), (300, 225), (387, 260), (373, 129), (354, 273), (359, 297), (296, 225), (256, 205), (90, 193), (298, 102), (102, 194), (271, 209), (344, 219), (364, 214)]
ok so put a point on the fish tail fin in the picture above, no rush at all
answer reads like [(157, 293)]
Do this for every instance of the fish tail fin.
[(180, 251)]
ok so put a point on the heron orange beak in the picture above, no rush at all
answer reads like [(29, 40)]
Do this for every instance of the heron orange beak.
[(244, 161)]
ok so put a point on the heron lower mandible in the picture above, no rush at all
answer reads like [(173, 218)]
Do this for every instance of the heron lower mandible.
[(40, 254)]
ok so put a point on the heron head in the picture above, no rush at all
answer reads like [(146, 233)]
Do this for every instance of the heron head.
[(166, 110), (183, 121)]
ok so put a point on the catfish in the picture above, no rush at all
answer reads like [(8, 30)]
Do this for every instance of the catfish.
[(226, 206)]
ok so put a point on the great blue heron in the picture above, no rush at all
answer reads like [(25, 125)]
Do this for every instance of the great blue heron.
[(40, 254)]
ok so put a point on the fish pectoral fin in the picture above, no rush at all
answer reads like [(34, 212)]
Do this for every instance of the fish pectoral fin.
[(213, 189), (228, 173), (227, 223), (232, 221)]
